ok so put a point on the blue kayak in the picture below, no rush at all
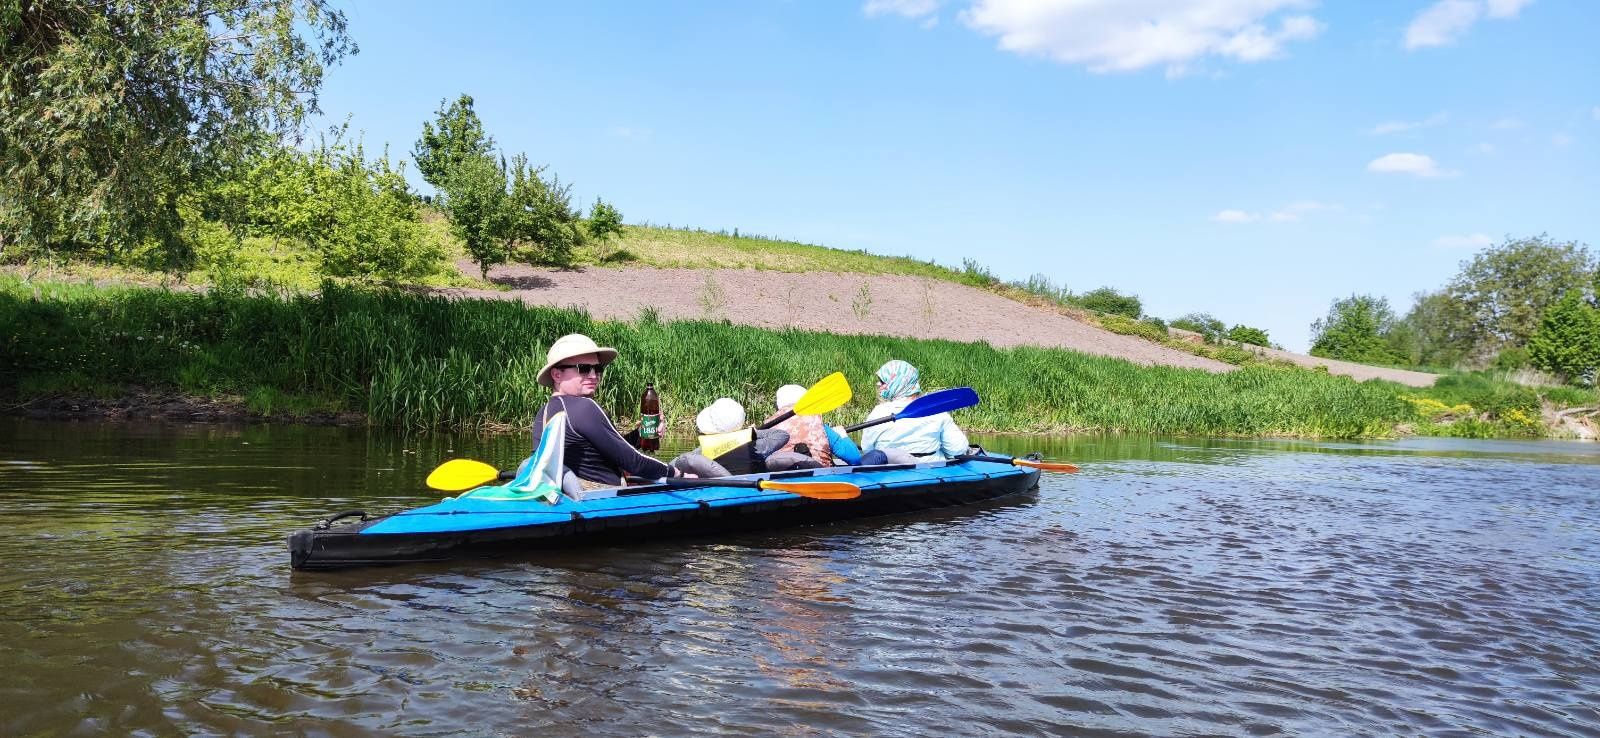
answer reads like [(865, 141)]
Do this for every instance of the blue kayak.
[(470, 527)]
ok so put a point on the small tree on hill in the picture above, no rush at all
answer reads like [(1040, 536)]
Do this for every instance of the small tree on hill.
[(539, 215), (1204, 324), (474, 196), (1568, 339), (456, 136), (1108, 300), (605, 221), (1246, 334), (1354, 331)]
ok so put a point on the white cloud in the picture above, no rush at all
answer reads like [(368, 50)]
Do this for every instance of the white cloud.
[(1486, 148), (1122, 36), (1595, 112), (902, 8), (1441, 23), (1401, 126), (1235, 216), (1294, 210), (1560, 139), (1506, 124), (1420, 165), (1506, 8), (1446, 21), (1471, 241), (1287, 214)]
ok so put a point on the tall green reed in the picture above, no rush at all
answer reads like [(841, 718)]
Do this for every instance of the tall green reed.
[(423, 361)]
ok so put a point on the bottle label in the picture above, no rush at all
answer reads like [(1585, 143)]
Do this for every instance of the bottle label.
[(650, 426)]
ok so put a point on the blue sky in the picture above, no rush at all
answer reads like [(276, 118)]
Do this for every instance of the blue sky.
[(1254, 159)]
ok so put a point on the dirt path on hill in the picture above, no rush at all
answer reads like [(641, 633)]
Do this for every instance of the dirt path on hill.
[(894, 305)]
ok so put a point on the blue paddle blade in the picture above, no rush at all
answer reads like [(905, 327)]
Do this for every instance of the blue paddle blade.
[(942, 401)]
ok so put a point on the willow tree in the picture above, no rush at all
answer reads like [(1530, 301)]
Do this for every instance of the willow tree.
[(111, 111)]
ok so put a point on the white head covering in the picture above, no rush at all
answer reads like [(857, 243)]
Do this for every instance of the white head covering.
[(788, 395), (723, 416)]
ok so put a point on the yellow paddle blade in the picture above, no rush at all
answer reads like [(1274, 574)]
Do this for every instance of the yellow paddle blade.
[(456, 475), (715, 445), (825, 396), (815, 490), (1054, 466)]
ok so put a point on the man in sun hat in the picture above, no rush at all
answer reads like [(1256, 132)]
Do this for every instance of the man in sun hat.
[(595, 451)]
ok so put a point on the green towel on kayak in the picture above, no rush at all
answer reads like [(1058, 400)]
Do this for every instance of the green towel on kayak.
[(540, 477)]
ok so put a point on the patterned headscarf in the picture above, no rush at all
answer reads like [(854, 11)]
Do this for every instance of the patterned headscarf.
[(899, 380)]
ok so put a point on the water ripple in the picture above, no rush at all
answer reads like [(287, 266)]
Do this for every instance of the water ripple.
[(1175, 587)]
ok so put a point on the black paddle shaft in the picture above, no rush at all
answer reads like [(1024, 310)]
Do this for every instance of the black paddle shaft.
[(870, 423)]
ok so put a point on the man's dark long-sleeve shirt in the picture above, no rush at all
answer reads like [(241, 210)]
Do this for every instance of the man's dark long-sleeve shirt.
[(595, 450)]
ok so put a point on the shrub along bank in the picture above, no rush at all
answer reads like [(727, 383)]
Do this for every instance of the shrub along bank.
[(422, 361)]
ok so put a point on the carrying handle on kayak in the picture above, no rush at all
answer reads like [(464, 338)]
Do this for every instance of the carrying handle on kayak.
[(328, 522)]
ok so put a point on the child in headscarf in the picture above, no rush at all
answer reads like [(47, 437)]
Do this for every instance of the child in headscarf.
[(914, 439)]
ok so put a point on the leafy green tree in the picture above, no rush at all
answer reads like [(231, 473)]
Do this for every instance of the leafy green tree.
[(540, 216), (356, 215), (1204, 324), (1354, 330), (1505, 290), (1437, 331), (1108, 300), (110, 112), (1246, 334), (455, 137), (1568, 339), (474, 197), (605, 220)]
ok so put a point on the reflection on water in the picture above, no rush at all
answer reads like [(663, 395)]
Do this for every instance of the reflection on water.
[(1176, 586)]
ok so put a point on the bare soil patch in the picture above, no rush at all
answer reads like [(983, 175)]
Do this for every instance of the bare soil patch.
[(861, 304)]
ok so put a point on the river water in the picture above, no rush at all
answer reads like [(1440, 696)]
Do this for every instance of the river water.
[(1174, 587)]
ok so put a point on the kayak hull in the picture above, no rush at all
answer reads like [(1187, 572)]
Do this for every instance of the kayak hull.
[(476, 528)]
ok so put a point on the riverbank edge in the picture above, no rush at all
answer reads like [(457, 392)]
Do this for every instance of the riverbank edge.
[(138, 404), (79, 351)]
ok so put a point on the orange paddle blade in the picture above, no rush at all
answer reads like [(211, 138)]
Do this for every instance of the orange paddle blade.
[(815, 490)]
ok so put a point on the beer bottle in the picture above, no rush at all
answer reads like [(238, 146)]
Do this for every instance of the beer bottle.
[(650, 420)]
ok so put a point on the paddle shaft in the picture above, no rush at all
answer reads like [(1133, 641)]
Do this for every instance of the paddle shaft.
[(680, 483), (870, 423), (776, 419), (933, 403), (1055, 466)]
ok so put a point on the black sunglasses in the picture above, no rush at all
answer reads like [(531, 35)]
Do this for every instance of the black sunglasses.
[(594, 369)]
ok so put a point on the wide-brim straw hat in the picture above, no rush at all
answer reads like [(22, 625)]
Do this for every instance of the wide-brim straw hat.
[(568, 346)]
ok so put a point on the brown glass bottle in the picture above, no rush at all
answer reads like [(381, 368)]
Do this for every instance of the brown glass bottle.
[(650, 420)]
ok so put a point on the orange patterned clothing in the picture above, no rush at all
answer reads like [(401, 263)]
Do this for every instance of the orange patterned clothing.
[(807, 429)]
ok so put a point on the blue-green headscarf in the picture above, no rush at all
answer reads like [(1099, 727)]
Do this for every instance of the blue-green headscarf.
[(899, 380)]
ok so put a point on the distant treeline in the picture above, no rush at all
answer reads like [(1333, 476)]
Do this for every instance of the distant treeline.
[(1526, 302)]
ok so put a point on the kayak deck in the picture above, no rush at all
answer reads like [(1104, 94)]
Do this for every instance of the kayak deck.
[(473, 527)]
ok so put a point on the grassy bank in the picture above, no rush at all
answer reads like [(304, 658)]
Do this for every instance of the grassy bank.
[(419, 361)]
